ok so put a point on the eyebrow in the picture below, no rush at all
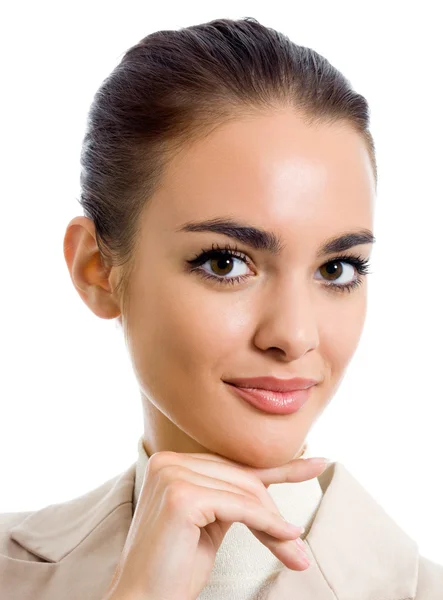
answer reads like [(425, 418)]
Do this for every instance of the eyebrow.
[(260, 239)]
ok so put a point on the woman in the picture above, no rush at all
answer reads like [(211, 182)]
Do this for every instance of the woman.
[(228, 188)]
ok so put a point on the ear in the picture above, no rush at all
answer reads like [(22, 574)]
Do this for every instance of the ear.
[(91, 278)]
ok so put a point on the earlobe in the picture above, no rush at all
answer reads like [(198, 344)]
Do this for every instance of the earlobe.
[(101, 302)]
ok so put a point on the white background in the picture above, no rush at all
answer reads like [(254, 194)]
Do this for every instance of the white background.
[(70, 411)]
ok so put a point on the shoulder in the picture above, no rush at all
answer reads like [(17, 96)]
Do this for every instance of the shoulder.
[(52, 532)]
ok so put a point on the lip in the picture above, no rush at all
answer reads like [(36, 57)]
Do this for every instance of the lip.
[(273, 384), (272, 402)]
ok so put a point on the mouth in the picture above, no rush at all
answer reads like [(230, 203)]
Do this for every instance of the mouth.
[(273, 384), (272, 401)]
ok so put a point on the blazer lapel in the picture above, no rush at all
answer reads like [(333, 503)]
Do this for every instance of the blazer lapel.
[(356, 549), (79, 541)]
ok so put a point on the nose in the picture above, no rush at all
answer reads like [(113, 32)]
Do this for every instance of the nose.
[(287, 321)]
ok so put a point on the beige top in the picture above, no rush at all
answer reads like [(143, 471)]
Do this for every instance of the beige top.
[(70, 550), (244, 568)]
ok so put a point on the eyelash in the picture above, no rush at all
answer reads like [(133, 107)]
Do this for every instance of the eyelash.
[(361, 265)]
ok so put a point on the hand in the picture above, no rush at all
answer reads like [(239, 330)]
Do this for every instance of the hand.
[(186, 505)]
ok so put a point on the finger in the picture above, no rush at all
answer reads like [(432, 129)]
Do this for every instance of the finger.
[(294, 471), (221, 477), (286, 551), (271, 529), (229, 472), (174, 473)]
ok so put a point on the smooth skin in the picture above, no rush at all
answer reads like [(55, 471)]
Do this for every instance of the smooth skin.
[(186, 333)]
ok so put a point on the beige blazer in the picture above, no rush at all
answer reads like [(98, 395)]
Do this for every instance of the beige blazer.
[(69, 551)]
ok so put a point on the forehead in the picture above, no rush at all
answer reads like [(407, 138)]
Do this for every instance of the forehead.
[(274, 171)]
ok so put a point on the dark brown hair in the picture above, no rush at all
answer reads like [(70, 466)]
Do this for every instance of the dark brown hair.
[(176, 86)]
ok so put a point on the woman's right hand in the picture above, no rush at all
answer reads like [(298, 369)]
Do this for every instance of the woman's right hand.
[(186, 505)]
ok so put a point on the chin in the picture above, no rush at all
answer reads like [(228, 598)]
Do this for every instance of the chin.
[(263, 456)]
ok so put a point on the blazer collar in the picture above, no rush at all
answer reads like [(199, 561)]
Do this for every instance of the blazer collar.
[(356, 549)]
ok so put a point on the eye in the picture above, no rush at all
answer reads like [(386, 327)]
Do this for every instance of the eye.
[(225, 261), (338, 272), (221, 261), (227, 264), (332, 269)]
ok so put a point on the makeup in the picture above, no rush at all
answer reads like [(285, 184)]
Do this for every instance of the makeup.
[(279, 403)]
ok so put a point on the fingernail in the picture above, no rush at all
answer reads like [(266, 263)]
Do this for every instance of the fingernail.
[(319, 461), (305, 562), (295, 528), (300, 543)]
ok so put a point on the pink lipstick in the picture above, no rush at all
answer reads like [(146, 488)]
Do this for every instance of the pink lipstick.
[(273, 395)]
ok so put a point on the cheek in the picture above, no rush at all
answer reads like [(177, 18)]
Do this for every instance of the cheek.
[(203, 326), (184, 328), (340, 332)]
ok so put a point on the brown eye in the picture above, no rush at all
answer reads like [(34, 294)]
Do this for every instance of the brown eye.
[(222, 266), (335, 269), (222, 262), (332, 270)]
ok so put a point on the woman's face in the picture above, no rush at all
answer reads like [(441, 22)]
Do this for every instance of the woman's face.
[(187, 333)]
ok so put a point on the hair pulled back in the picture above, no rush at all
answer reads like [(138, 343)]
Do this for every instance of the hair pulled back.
[(176, 86)]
